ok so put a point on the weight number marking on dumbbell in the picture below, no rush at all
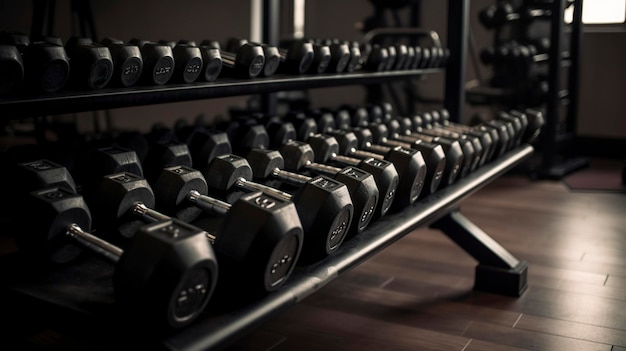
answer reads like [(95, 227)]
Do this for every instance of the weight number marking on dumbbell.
[(130, 70), (264, 202), (325, 183), (38, 165)]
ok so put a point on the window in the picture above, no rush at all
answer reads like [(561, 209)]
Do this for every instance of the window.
[(600, 12)]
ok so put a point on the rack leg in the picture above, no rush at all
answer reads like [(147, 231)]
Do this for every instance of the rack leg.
[(498, 271)]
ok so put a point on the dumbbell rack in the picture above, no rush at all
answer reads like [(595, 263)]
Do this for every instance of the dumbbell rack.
[(81, 294), (79, 297)]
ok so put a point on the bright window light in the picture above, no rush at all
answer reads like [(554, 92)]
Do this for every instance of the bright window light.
[(600, 12)]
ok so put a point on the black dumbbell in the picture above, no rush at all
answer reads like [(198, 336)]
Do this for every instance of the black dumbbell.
[(471, 148), (272, 54), (453, 153), (409, 164), (204, 144), (11, 69), (91, 64), (124, 200), (259, 158), (323, 204), (38, 174), (299, 156), (497, 15), (377, 58), (46, 64), (246, 62), (297, 57), (488, 137), (127, 62), (423, 165), (278, 129), (259, 237), (481, 142), (188, 63), (499, 132), (326, 150), (158, 61), (321, 54), (339, 55), (212, 60), (165, 276)]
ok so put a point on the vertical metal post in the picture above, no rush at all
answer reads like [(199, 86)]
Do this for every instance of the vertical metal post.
[(270, 36), (458, 29), (550, 136), (574, 70)]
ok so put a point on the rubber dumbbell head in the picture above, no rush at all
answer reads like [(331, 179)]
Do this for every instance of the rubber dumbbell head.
[(127, 62), (361, 184), (164, 277), (323, 204), (158, 62), (259, 237), (91, 64)]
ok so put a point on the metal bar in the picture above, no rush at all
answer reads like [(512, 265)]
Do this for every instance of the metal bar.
[(458, 28), (549, 147), (475, 241)]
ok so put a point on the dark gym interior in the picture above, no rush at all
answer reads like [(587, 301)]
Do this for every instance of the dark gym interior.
[(313, 175)]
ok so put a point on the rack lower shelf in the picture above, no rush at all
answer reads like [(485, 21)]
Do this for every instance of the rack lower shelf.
[(82, 289)]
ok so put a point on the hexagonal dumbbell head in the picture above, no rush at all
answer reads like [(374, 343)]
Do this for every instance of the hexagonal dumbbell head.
[(222, 173), (167, 275), (261, 239), (297, 154), (43, 238), (114, 198), (172, 189), (264, 162)]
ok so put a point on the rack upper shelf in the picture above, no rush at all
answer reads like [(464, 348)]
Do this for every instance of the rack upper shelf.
[(81, 101)]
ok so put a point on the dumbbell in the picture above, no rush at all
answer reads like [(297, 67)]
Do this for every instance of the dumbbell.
[(212, 61), (535, 125), (272, 54), (409, 164), (181, 191), (423, 162), (204, 144), (340, 55), (497, 15), (127, 61), (299, 156), (326, 149), (165, 276), (46, 65), (259, 237), (376, 59), (278, 129), (400, 133), (324, 205), (11, 69), (319, 60), (355, 57), (499, 132), (248, 61), (481, 140), (471, 149), (91, 64), (158, 61), (188, 63), (297, 57)]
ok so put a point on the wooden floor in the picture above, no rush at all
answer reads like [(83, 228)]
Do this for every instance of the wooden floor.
[(417, 294)]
